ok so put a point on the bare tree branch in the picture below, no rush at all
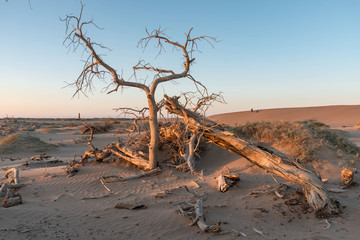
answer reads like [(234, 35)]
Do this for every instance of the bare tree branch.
[(96, 66)]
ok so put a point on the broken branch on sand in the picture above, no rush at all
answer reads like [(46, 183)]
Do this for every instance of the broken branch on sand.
[(227, 180), (265, 157), (195, 211)]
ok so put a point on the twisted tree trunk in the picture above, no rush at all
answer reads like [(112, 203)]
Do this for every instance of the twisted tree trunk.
[(268, 158)]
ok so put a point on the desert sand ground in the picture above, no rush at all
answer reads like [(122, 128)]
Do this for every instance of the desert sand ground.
[(59, 207)]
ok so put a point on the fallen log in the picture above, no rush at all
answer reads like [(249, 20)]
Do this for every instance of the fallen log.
[(265, 157)]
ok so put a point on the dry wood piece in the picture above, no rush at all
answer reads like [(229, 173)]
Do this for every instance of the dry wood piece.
[(268, 158), (7, 191), (15, 177), (129, 155), (121, 151), (72, 168), (347, 176), (227, 180), (46, 161), (116, 178), (42, 158), (195, 211), (12, 198)]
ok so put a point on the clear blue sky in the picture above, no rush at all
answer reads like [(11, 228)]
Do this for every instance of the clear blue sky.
[(270, 54)]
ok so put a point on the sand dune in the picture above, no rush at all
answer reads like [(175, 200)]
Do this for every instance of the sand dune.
[(332, 115), (80, 207)]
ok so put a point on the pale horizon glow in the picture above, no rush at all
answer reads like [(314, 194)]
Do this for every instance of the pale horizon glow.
[(270, 54)]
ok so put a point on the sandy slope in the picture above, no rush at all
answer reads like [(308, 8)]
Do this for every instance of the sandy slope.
[(58, 207), (332, 115)]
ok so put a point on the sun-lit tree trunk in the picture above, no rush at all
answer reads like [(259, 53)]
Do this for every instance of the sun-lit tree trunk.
[(154, 132)]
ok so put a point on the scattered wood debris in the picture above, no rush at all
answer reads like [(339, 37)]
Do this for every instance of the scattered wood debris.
[(8, 193), (195, 211), (42, 158), (71, 168)]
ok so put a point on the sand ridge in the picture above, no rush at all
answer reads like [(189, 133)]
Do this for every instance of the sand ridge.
[(58, 207), (342, 115)]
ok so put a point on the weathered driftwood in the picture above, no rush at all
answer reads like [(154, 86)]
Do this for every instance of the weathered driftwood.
[(265, 157), (71, 169), (347, 176), (116, 178), (131, 156), (42, 158), (7, 192), (226, 180), (222, 184), (196, 213), (99, 155), (15, 177), (120, 150)]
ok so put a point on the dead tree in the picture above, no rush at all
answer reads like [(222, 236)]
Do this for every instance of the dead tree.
[(95, 66), (265, 157)]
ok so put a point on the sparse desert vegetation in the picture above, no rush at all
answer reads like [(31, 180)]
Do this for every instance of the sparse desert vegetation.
[(23, 142), (293, 138), (298, 139)]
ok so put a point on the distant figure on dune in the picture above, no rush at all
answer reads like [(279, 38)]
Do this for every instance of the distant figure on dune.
[(252, 110)]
